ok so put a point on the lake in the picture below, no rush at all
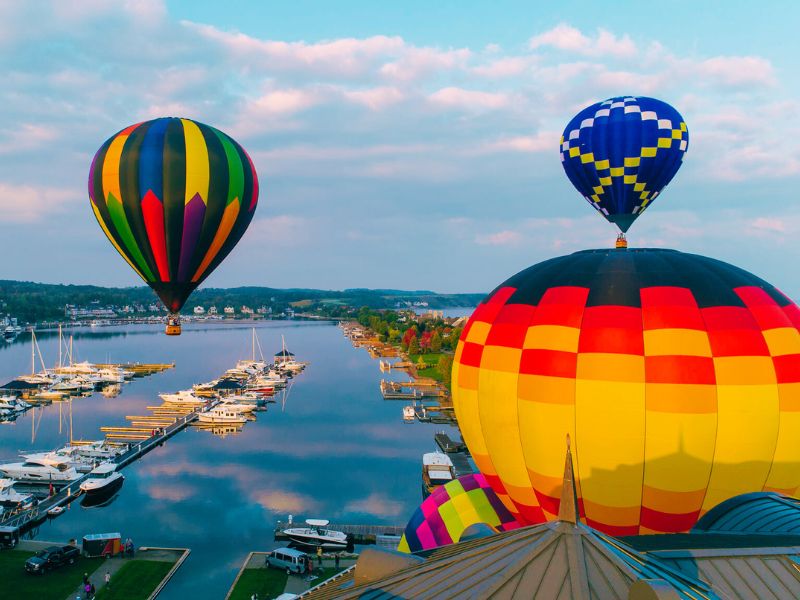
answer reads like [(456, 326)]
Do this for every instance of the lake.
[(332, 449)]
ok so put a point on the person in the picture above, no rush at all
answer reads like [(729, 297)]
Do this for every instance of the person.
[(85, 578), (91, 589), (310, 564), (319, 555), (336, 560), (88, 590), (108, 579)]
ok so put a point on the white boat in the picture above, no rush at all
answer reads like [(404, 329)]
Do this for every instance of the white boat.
[(409, 413), (234, 406), (103, 479), (317, 534), (71, 386), (34, 470), (55, 511), (81, 368), (98, 450), (114, 375), (9, 332), (437, 469), (11, 498), (221, 414), (49, 395), (246, 398), (182, 397), (12, 403)]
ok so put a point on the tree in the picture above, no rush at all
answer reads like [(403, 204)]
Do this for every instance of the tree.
[(413, 346), (445, 368), (436, 342)]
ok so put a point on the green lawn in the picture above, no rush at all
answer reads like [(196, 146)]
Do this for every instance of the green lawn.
[(135, 580), (267, 583), (433, 370), (56, 585)]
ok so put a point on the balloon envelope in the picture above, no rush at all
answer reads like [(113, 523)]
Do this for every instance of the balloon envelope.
[(620, 153), (173, 196), (676, 376), (450, 509)]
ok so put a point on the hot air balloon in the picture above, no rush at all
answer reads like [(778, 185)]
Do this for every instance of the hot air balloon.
[(174, 197), (676, 376), (450, 509), (620, 153)]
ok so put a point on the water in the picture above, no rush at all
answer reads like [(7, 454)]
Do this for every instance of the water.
[(336, 450)]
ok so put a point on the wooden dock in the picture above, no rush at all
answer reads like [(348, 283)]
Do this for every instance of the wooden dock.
[(141, 441), (360, 534), (395, 391), (447, 444), (461, 463)]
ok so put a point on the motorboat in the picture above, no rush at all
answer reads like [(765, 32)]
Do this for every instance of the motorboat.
[(437, 469), (317, 534), (221, 414), (10, 332), (69, 455), (81, 368), (50, 395), (409, 414), (34, 470), (103, 480), (97, 450), (11, 498), (182, 397), (234, 406), (114, 375), (12, 403), (71, 386), (246, 398)]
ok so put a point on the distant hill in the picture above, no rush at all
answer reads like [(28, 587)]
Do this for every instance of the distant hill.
[(32, 302)]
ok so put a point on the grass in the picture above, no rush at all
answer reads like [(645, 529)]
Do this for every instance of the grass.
[(135, 580), (18, 584), (432, 371), (267, 583)]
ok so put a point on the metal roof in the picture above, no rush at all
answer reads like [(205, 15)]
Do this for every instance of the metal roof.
[(756, 513), (557, 560)]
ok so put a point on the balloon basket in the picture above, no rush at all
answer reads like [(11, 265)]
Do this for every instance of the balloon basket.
[(173, 325), (621, 242)]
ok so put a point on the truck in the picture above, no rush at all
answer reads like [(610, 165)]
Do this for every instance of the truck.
[(51, 558)]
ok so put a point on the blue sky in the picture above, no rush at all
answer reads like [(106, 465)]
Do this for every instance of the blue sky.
[(407, 145)]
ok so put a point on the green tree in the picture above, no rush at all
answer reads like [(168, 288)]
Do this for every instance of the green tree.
[(445, 367), (413, 346), (436, 342)]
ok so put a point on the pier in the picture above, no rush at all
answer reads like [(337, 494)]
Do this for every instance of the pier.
[(141, 441)]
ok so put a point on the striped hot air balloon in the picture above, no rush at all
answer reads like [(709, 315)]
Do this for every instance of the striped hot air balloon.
[(676, 376), (450, 509), (174, 197)]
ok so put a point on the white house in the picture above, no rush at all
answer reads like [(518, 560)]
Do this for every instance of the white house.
[(229, 310), (199, 310)]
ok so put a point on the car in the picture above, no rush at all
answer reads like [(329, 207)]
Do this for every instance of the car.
[(290, 559), (50, 558)]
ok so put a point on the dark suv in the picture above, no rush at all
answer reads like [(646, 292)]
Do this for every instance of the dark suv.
[(51, 558)]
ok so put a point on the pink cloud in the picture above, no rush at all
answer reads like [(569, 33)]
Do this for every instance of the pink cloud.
[(455, 97), (568, 38), (376, 98), (500, 238), (376, 504)]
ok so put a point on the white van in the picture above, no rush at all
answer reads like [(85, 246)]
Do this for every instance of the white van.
[(290, 559)]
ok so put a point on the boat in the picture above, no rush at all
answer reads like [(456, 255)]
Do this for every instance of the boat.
[(234, 406), (409, 414), (182, 397), (10, 332), (104, 480), (99, 449), (35, 470), (221, 414), (246, 398), (437, 469), (48, 395), (11, 498), (55, 511), (317, 535)]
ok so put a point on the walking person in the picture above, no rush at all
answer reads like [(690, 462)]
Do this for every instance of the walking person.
[(107, 579), (336, 560), (319, 555)]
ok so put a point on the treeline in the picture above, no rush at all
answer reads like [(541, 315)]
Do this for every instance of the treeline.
[(33, 302)]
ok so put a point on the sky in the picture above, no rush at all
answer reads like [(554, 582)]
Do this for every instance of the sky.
[(409, 145)]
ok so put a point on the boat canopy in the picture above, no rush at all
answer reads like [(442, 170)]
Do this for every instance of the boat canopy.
[(317, 522)]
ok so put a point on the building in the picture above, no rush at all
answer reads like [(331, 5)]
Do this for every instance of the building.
[(229, 310), (246, 310), (747, 548), (212, 310), (199, 310)]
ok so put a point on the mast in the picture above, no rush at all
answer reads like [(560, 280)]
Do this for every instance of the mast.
[(59, 345), (33, 352), (70, 420), (70, 350), (254, 344)]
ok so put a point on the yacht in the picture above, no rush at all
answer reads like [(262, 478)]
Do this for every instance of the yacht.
[(81, 368), (71, 386), (114, 375), (437, 469), (34, 470), (246, 398), (99, 450), (234, 406), (49, 395), (12, 403), (182, 397), (11, 498), (221, 414), (317, 534), (104, 480), (10, 332), (409, 414)]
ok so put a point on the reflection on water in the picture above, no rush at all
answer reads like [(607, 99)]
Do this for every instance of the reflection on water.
[(336, 450)]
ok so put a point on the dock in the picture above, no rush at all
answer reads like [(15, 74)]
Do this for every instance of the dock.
[(395, 391), (461, 463), (447, 444), (141, 441), (360, 534)]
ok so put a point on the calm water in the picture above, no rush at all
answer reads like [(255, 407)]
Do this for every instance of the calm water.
[(336, 449)]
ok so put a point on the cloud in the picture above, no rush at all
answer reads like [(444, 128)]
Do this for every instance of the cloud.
[(376, 98), (568, 38), (544, 141), (455, 97), (278, 501), (376, 504), (29, 204), (500, 238)]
